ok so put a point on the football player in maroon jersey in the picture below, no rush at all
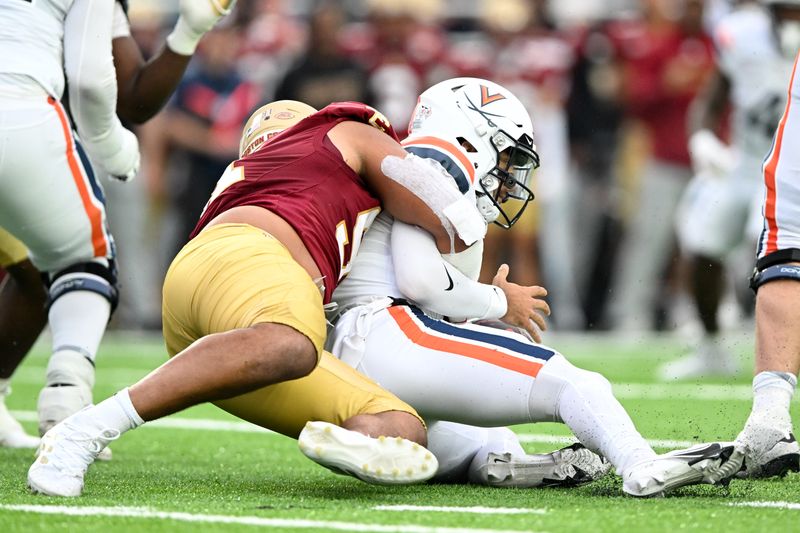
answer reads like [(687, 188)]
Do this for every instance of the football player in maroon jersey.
[(243, 301)]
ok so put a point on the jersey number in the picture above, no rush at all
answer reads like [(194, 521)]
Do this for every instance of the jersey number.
[(231, 175), (363, 222)]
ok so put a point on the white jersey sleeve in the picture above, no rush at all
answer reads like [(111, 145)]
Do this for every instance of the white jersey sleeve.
[(31, 41), (426, 278), (121, 25), (92, 82)]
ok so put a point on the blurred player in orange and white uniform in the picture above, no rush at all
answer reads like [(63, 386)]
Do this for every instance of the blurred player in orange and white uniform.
[(721, 208), (72, 226)]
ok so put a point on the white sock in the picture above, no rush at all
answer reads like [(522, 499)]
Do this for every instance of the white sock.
[(772, 397), (5, 388), (498, 440), (116, 412), (78, 320)]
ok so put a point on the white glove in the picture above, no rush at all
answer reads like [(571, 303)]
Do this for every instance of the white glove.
[(118, 154), (195, 19), (710, 156)]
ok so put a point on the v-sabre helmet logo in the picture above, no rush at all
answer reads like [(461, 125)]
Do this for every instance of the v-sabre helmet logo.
[(487, 98)]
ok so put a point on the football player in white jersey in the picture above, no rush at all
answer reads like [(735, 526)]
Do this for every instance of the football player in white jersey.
[(141, 91), (721, 207), (431, 355), (771, 448)]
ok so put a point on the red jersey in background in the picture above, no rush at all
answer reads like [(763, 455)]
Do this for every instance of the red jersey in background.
[(664, 70)]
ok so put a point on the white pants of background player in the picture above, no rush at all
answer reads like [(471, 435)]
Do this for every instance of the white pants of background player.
[(51, 201), (716, 214), (480, 376)]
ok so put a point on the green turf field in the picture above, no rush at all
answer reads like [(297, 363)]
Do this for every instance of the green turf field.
[(194, 472)]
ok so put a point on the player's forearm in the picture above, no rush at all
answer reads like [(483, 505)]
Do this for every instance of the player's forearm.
[(708, 107), (144, 88), (424, 277)]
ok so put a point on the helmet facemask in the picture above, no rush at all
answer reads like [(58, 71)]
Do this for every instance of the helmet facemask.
[(485, 135), (510, 179)]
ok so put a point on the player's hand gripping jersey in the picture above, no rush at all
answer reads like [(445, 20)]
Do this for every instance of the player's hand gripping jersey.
[(303, 179)]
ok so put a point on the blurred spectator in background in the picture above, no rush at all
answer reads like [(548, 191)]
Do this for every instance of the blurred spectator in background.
[(272, 40), (595, 110), (533, 59), (325, 74), (668, 59), (399, 43), (203, 125)]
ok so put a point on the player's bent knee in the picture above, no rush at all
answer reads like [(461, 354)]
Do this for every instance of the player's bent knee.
[(558, 377), (99, 277), (284, 352), (781, 265)]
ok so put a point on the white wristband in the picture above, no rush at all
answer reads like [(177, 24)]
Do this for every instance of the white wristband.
[(498, 305), (183, 40)]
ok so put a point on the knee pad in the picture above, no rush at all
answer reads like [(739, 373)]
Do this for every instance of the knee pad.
[(774, 267), (91, 276)]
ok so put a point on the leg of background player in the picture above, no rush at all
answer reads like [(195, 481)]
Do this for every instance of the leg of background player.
[(23, 315), (707, 285)]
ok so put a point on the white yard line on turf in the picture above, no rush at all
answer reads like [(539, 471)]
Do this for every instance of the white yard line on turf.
[(246, 427), (624, 391), (475, 510), (283, 523), (774, 505), (554, 439)]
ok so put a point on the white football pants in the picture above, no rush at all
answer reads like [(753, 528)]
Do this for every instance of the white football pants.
[(49, 197), (781, 180), (482, 376)]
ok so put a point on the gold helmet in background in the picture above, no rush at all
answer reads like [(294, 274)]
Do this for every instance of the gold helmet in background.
[(269, 120)]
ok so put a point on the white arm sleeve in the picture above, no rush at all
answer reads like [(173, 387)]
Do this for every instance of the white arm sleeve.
[(425, 278), (89, 68), (121, 27)]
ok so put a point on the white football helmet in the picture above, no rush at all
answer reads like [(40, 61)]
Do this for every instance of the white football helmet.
[(482, 135)]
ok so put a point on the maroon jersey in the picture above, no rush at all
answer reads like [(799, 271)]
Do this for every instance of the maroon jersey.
[(300, 176)]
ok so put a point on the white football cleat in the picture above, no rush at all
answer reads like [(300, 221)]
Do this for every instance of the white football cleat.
[(709, 359), (12, 434), (380, 461), (768, 451), (712, 464), (64, 455), (567, 467)]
